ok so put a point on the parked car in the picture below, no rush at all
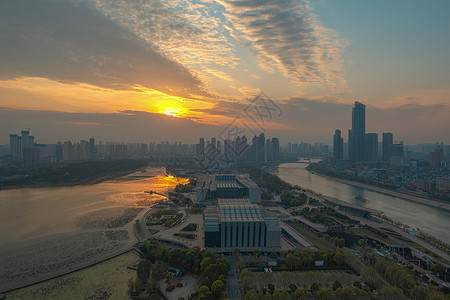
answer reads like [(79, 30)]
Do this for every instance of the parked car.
[(170, 288)]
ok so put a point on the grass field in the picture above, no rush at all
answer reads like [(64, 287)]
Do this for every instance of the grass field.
[(106, 280)]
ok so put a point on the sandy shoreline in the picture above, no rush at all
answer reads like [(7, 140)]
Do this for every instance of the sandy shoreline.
[(436, 204)]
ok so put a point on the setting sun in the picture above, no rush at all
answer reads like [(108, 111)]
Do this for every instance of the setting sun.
[(172, 111)]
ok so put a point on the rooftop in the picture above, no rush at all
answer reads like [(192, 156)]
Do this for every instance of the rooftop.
[(238, 210)]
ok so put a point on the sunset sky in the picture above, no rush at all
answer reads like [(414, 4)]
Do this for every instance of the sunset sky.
[(130, 70)]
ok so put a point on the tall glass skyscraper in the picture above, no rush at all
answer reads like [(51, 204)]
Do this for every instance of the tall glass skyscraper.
[(338, 145), (358, 132)]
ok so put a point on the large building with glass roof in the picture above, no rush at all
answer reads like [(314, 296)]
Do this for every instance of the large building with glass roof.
[(213, 187), (237, 223)]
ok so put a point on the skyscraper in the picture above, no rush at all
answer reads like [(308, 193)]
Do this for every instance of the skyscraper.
[(372, 146), (275, 148), (359, 132), (350, 144), (435, 158), (388, 141), (15, 144), (338, 145)]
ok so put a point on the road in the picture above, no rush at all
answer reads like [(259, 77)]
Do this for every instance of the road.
[(233, 281)]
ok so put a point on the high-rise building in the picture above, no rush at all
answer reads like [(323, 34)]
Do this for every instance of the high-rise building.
[(371, 146), (275, 149), (396, 150), (359, 132), (350, 144), (15, 145), (268, 153), (118, 151), (435, 158), (261, 146), (338, 145), (31, 156), (18, 143), (92, 150), (201, 147), (388, 141)]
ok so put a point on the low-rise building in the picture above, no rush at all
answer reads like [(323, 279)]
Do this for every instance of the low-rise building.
[(237, 223), (225, 186)]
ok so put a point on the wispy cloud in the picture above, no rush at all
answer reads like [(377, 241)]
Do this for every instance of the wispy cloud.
[(71, 41), (285, 34), (191, 32), (219, 74)]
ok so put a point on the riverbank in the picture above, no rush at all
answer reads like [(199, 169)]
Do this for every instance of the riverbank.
[(417, 199), (70, 228), (82, 173)]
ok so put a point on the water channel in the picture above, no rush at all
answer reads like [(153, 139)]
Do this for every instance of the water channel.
[(429, 219)]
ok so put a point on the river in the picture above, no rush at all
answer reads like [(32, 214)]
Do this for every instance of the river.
[(428, 219), (29, 213), (48, 230)]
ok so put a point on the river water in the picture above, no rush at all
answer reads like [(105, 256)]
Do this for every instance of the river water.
[(29, 213), (429, 219)]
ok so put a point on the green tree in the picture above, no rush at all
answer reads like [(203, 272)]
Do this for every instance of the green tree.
[(246, 277), (257, 253), (204, 293), (251, 295), (339, 257), (236, 252), (223, 279), (271, 288), (357, 284), (391, 293), (240, 264), (438, 268), (370, 276), (336, 285), (217, 289), (419, 293), (314, 287), (168, 278), (143, 270), (381, 267), (273, 255), (292, 288)]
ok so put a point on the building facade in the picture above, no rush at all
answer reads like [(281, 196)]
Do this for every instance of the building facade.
[(237, 223), (388, 141), (358, 149), (338, 145), (371, 146), (223, 186)]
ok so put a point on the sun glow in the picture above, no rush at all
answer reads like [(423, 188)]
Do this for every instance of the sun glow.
[(177, 180), (174, 112)]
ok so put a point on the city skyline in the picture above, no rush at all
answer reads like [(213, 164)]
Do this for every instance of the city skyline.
[(202, 63)]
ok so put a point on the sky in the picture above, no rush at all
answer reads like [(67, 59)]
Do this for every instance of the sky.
[(150, 70)]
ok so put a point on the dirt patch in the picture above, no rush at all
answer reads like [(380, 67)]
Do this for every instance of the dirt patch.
[(43, 257), (85, 284)]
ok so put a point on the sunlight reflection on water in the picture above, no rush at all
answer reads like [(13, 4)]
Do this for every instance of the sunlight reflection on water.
[(34, 212)]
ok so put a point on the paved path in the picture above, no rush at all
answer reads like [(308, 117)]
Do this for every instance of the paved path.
[(232, 280), (300, 239)]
